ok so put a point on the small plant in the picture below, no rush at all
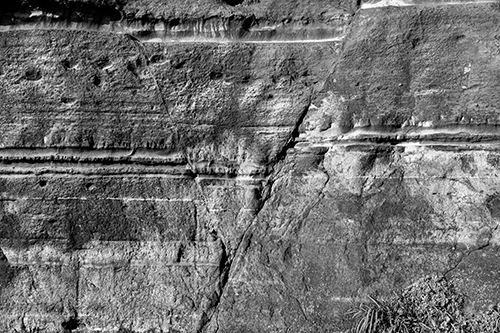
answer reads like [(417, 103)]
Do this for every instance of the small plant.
[(431, 305), (372, 317)]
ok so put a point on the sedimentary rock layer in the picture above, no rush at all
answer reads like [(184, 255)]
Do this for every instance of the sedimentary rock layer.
[(174, 20), (218, 166)]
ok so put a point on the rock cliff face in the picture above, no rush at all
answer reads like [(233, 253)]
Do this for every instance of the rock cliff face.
[(242, 166)]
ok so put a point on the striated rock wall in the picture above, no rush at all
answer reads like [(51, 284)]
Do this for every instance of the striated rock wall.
[(242, 166)]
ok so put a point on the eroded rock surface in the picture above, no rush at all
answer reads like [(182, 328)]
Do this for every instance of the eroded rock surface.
[(242, 166)]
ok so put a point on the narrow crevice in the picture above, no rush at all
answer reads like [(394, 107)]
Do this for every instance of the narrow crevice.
[(77, 282), (469, 253), (302, 310), (227, 262), (142, 51), (307, 210), (294, 135), (224, 268), (180, 253)]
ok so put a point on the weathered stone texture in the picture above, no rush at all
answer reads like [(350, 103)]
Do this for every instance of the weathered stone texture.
[(362, 222), (408, 66), (226, 103), (216, 166)]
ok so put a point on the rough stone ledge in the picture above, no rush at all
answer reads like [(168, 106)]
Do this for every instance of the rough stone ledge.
[(404, 3), (210, 34), (211, 19)]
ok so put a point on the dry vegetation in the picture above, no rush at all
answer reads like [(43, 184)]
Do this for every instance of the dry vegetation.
[(432, 304)]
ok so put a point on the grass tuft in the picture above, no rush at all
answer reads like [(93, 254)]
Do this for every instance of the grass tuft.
[(431, 305)]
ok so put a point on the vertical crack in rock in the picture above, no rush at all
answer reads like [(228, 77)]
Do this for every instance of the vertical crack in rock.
[(245, 240), (307, 210), (470, 252), (3, 258), (301, 308), (224, 267), (4, 270), (227, 263), (295, 133), (267, 187), (327, 217), (77, 294), (142, 52)]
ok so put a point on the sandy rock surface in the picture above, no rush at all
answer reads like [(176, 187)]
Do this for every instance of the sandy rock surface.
[(243, 166)]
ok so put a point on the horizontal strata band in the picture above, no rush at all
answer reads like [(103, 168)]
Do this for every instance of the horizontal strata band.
[(453, 134), (120, 162), (219, 29), (405, 3), (414, 135), (156, 36), (111, 254)]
